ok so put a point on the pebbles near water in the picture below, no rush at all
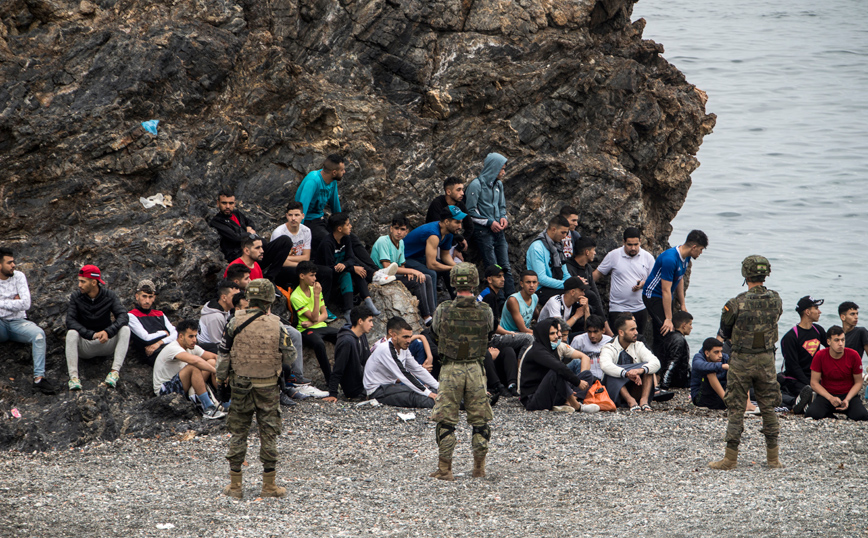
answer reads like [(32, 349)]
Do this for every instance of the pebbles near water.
[(364, 472)]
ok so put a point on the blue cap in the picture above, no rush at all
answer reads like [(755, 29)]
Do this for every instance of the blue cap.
[(457, 214)]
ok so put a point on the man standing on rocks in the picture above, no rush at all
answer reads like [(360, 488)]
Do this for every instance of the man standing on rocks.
[(486, 205), (750, 321), (545, 257), (629, 268), (462, 326), (254, 350), (14, 325)]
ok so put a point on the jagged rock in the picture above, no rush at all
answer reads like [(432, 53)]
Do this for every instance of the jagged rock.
[(253, 94)]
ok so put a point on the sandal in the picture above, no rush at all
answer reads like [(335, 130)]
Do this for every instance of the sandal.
[(646, 407), (635, 408)]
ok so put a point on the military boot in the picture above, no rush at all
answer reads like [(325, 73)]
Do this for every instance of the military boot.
[(729, 461), (772, 458), (478, 466), (444, 470), (268, 487), (234, 487)]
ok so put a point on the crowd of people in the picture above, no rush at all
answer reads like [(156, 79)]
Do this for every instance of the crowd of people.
[(557, 342)]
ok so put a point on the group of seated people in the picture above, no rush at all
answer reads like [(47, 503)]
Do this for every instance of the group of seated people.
[(553, 341)]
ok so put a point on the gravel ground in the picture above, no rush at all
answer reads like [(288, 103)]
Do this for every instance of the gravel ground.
[(363, 472)]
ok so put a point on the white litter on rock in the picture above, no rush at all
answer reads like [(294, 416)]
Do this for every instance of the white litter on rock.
[(407, 416), (157, 199), (165, 526)]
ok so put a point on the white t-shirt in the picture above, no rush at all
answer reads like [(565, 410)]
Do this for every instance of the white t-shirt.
[(300, 241), (167, 366), (626, 271), (555, 308), (583, 343)]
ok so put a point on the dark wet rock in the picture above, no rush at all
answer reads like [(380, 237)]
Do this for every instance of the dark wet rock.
[(253, 95)]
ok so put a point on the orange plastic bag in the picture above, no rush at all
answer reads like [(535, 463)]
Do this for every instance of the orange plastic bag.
[(598, 394)]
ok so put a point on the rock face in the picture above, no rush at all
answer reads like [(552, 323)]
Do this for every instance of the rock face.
[(254, 94)]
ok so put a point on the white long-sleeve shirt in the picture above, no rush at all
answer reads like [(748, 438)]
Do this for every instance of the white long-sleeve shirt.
[(381, 370), (637, 351), (11, 308)]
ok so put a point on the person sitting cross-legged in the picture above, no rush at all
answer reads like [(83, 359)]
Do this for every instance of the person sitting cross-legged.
[(629, 367), (836, 377), (182, 364)]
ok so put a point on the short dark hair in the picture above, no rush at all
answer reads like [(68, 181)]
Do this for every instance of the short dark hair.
[(396, 324), (680, 318), (5, 252), (294, 205), (250, 240), (237, 270), (526, 272), (697, 237), (558, 221), (568, 210), (710, 343), (236, 299), (226, 286), (595, 322), (187, 324), (337, 220), (360, 313), (305, 267), (333, 161), (583, 244), (451, 180), (226, 191), (400, 220), (846, 306), (622, 320), (834, 330), (632, 232)]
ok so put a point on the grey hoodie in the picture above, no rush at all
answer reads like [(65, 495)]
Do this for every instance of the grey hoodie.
[(212, 322), (484, 198)]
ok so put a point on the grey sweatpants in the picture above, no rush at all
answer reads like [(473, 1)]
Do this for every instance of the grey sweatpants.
[(76, 347), (401, 396), (295, 336)]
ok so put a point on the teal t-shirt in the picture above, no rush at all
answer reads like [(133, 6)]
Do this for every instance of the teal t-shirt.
[(384, 249), (526, 312)]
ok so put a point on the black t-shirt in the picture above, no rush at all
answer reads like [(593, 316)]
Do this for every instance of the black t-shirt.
[(857, 339), (493, 300), (439, 204), (799, 347)]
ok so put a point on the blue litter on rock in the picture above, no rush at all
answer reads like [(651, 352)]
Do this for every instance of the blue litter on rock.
[(151, 126)]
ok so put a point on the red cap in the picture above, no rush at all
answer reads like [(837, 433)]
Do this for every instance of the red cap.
[(91, 271)]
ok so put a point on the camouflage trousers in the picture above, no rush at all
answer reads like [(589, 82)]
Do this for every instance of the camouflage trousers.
[(757, 371), (248, 399), (462, 381)]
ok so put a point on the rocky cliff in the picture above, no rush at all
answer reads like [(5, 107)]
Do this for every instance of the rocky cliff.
[(253, 94)]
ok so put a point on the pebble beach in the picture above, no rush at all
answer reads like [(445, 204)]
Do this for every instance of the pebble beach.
[(363, 471)]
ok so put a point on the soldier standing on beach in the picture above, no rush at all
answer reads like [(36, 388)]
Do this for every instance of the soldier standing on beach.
[(750, 320), (462, 326), (255, 346)]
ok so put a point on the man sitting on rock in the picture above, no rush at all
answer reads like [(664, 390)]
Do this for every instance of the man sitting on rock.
[(428, 247), (182, 364), (545, 257), (317, 193), (151, 329), (392, 375), (235, 229), (91, 331), (836, 377), (351, 355), (309, 304), (239, 274), (676, 363), (215, 314), (629, 367), (300, 236), (14, 325), (251, 255)]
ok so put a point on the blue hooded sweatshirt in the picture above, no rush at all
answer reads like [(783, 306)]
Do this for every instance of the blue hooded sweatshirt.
[(484, 197)]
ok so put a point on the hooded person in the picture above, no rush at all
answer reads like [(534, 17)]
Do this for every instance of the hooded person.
[(546, 382), (486, 205)]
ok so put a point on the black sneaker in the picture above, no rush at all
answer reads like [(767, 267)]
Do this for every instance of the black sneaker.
[(298, 379), (493, 398), (805, 397), (45, 386), (513, 390), (504, 392), (286, 401)]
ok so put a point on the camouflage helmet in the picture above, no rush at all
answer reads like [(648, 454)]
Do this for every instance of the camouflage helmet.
[(260, 289), (755, 266), (464, 276)]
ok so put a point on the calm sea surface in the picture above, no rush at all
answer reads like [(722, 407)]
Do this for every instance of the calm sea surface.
[(784, 172)]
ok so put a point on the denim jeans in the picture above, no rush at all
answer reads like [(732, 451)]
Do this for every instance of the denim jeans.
[(494, 250), (25, 331)]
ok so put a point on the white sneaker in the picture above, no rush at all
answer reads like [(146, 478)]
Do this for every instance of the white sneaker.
[(563, 409), (590, 408), (213, 413), (310, 390), (392, 271)]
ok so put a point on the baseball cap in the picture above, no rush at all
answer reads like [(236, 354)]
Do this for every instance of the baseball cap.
[(807, 302), (146, 286), (91, 271), (452, 212), (493, 270), (574, 283)]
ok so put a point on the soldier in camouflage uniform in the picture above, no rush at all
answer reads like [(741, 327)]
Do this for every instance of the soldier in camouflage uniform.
[(462, 326), (255, 346), (750, 320)]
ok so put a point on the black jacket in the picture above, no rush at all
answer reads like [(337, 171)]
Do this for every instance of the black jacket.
[(439, 204), (351, 354), (540, 359), (677, 354), (231, 234), (89, 316), (328, 247), (592, 293)]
